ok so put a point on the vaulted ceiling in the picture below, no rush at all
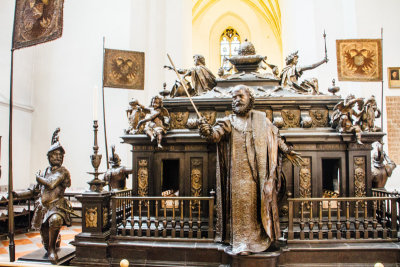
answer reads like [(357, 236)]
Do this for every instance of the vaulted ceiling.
[(268, 9)]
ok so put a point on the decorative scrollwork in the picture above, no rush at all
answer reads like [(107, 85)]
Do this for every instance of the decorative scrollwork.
[(359, 177), (305, 178)]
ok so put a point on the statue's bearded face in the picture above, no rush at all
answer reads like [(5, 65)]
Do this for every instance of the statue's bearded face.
[(56, 158), (241, 101)]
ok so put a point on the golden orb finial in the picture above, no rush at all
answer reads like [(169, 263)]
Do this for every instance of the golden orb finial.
[(124, 263)]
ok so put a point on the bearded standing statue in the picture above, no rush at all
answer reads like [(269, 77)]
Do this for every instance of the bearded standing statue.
[(249, 162), (52, 210)]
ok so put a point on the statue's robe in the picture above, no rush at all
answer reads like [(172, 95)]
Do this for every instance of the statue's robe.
[(202, 78), (248, 177), (290, 74)]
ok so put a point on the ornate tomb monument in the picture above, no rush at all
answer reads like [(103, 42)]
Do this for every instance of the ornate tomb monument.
[(241, 202)]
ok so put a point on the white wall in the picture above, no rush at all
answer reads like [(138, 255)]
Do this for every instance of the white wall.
[(22, 113), (303, 23), (54, 81)]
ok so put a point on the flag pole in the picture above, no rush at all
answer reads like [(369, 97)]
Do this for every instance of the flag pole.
[(382, 81), (11, 245), (104, 106)]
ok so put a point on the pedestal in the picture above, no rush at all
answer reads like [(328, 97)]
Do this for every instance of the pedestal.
[(40, 256), (91, 243)]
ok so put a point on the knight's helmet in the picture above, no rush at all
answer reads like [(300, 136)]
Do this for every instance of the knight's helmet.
[(55, 143), (114, 158), (378, 156)]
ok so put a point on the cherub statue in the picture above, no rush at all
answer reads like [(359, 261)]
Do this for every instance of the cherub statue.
[(134, 114), (344, 116), (291, 73), (381, 171), (203, 79), (116, 176), (156, 120), (369, 113)]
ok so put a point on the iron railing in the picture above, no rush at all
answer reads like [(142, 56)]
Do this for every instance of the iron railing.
[(163, 217), (343, 219)]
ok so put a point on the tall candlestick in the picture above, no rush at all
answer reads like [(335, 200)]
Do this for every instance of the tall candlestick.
[(95, 102), (96, 185)]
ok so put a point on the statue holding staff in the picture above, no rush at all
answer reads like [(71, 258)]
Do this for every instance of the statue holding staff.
[(203, 79), (249, 163)]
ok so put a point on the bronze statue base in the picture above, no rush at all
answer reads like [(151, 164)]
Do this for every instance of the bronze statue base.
[(40, 256)]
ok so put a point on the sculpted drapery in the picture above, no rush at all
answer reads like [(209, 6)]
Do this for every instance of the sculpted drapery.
[(248, 178)]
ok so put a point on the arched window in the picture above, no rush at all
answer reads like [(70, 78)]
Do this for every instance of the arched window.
[(229, 43)]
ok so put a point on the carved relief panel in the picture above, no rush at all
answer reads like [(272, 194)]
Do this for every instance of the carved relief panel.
[(291, 118), (209, 116), (143, 177), (179, 119), (359, 177), (305, 178), (196, 177), (319, 118), (91, 217), (105, 217)]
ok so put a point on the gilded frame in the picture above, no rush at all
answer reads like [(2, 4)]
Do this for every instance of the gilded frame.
[(393, 82)]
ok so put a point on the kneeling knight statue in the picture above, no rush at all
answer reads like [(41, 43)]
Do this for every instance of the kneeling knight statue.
[(52, 210)]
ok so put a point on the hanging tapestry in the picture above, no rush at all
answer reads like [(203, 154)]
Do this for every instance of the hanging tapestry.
[(359, 60), (37, 21), (123, 69)]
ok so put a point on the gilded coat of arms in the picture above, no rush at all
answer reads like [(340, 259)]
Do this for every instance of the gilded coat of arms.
[(359, 59), (123, 69)]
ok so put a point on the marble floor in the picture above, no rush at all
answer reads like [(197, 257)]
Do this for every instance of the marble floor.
[(31, 241)]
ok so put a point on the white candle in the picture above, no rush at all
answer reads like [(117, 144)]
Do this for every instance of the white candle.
[(95, 102)]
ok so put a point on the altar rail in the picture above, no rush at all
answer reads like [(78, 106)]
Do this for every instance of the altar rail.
[(163, 217), (343, 219)]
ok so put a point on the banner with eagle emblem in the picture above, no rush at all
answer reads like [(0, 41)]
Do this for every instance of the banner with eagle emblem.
[(359, 60), (123, 69), (37, 21)]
